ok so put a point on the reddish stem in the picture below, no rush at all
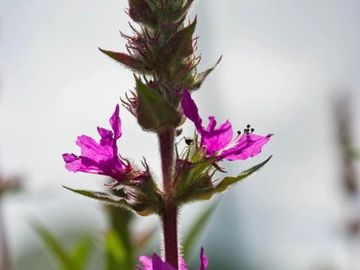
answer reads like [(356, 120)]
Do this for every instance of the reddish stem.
[(169, 218)]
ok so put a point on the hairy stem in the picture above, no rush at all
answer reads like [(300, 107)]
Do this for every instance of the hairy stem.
[(169, 217)]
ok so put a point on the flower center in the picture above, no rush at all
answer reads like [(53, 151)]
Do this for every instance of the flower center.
[(247, 130)]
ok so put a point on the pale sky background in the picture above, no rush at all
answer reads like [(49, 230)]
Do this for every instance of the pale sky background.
[(283, 60)]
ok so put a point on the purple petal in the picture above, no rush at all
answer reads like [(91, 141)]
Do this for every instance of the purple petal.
[(156, 263), (217, 139), (191, 111), (95, 158), (74, 163), (74, 166), (93, 150), (182, 264), (100, 158), (69, 157), (213, 139), (147, 262), (203, 259), (212, 124), (106, 136), (115, 123), (248, 145)]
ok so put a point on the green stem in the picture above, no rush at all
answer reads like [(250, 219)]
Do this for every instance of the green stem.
[(169, 217)]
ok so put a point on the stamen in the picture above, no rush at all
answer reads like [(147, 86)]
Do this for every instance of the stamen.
[(248, 129)]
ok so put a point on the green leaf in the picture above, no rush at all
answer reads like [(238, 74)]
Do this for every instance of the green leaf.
[(196, 229), (178, 10), (81, 253), (127, 60), (193, 178), (180, 45), (200, 78), (228, 181), (101, 196), (120, 222), (154, 113), (56, 249), (116, 253), (142, 209), (119, 243)]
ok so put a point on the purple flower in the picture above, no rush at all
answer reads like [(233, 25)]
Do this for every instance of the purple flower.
[(156, 263), (100, 157), (218, 141)]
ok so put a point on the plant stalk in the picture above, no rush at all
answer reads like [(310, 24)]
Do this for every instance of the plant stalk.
[(169, 217)]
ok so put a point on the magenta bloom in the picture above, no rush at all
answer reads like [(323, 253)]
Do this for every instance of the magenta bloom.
[(156, 263), (100, 157), (218, 141)]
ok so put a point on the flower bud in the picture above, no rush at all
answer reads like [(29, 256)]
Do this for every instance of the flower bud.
[(141, 12)]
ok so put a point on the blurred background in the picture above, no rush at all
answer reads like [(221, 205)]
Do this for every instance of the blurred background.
[(289, 68)]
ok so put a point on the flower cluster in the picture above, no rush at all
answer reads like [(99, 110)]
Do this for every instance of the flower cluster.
[(162, 52)]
